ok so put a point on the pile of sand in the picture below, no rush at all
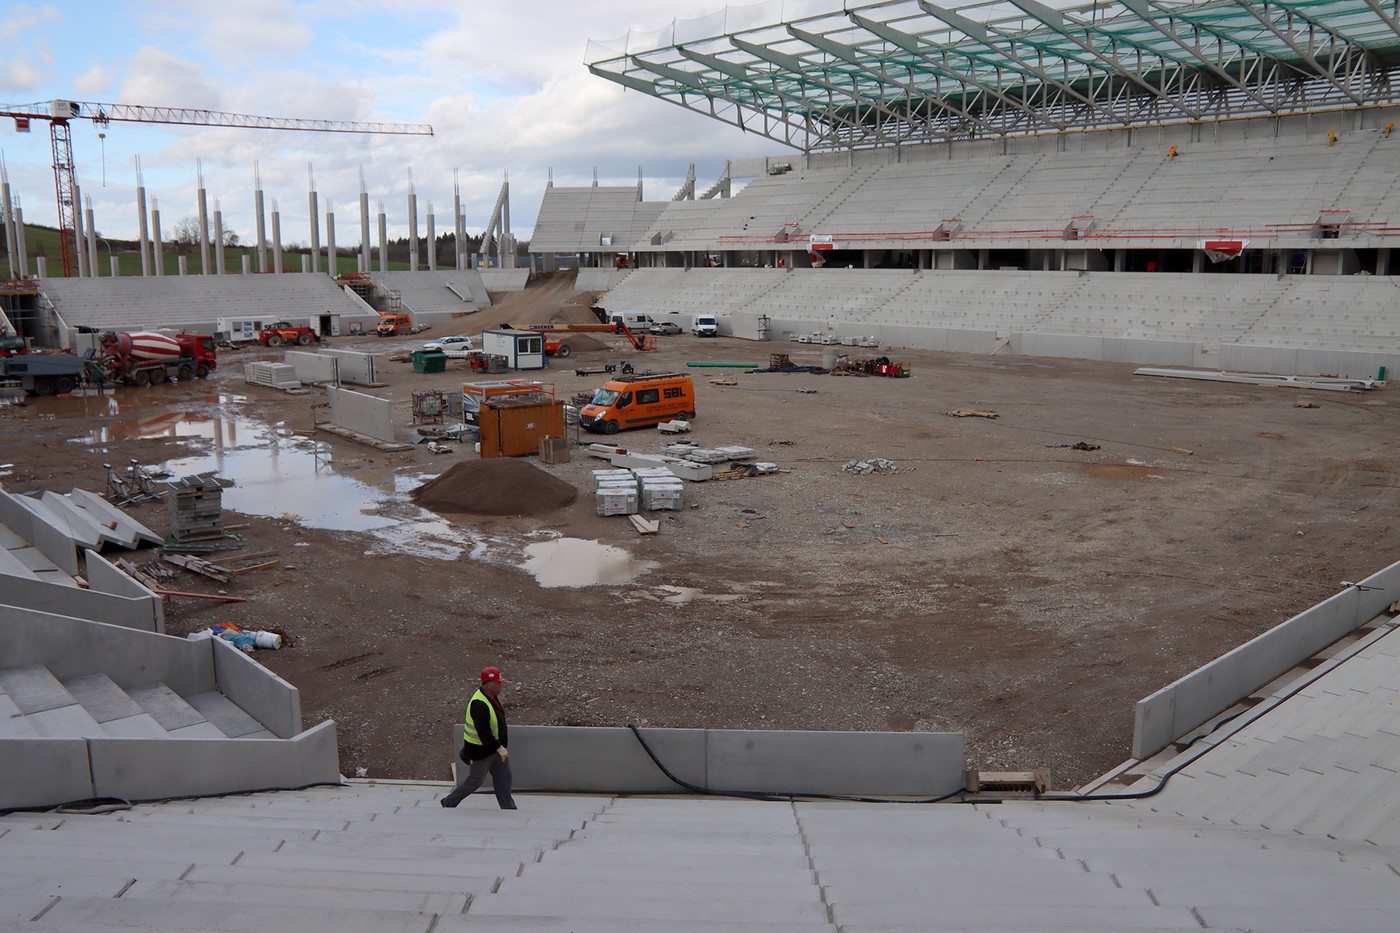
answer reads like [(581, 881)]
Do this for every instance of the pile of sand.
[(581, 342), (496, 486)]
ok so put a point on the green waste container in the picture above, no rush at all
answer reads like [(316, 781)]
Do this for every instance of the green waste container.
[(429, 361)]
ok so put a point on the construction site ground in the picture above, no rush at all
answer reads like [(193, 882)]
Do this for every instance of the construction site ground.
[(1002, 583)]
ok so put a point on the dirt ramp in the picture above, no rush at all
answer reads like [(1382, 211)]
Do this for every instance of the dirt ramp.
[(497, 486)]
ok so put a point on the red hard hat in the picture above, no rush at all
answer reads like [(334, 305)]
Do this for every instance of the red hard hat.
[(489, 674)]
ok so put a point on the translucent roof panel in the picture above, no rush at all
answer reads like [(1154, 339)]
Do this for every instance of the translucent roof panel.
[(817, 74)]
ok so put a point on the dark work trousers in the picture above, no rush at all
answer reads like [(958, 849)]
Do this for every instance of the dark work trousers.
[(476, 774)]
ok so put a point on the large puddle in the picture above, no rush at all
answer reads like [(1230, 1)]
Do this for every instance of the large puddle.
[(575, 562), (279, 474)]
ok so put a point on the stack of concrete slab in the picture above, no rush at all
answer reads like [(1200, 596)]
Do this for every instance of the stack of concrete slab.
[(41, 536), (615, 492), (273, 375), (661, 490)]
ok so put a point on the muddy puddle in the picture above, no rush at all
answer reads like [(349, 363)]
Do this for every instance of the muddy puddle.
[(576, 562), (276, 473)]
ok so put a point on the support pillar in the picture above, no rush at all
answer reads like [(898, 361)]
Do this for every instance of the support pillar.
[(364, 225), (157, 258), (80, 246), (218, 240), (383, 239), (91, 239), (276, 238), (259, 220), (432, 241), (142, 233), (412, 231), (332, 264), (313, 211)]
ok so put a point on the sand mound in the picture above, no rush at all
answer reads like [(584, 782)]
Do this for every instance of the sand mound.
[(581, 342), (497, 486)]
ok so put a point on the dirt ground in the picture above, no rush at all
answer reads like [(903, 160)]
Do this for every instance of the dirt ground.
[(1001, 584)]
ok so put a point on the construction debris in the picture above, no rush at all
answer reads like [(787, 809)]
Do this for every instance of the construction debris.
[(867, 467), (972, 413), (675, 426), (1304, 403), (196, 565)]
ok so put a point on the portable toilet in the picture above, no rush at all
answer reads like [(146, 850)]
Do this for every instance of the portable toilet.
[(523, 349)]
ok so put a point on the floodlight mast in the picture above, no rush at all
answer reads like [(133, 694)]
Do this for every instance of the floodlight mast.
[(60, 113)]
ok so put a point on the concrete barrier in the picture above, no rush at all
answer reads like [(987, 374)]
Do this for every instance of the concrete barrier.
[(363, 413), (260, 693), (153, 769), (142, 613), (1179, 707), (611, 760), (353, 366), (43, 772), (505, 280), (314, 367), (104, 577)]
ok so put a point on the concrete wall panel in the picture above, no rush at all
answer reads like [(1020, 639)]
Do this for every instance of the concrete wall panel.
[(505, 280), (151, 769), (612, 760), (1243, 358), (1346, 363), (103, 577), (1073, 346), (262, 694), (40, 772), (1187, 703), (971, 341), (1150, 352), (43, 596), (53, 542), (72, 647), (353, 366), (898, 763), (360, 412), (313, 367)]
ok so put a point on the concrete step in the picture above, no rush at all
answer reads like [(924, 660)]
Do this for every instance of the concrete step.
[(230, 719), (1355, 803), (1197, 889), (706, 903), (39, 882), (538, 880), (326, 892), (13, 725), (248, 917), (874, 915), (166, 707), (148, 865), (679, 861), (530, 923), (352, 847), (987, 887), (144, 837), (102, 698), (1300, 918), (445, 866), (33, 689)]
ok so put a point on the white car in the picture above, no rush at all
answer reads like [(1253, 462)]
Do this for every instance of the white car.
[(451, 346)]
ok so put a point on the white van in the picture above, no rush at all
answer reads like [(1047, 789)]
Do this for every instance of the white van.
[(633, 319), (704, 325)]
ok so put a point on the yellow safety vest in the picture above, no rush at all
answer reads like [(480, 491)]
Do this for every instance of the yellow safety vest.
[(469, 728)]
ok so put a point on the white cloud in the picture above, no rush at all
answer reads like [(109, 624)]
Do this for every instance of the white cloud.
[(156, 78), (95, 82)]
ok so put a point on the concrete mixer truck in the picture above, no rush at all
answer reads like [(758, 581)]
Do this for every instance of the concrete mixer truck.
[(141, 358)]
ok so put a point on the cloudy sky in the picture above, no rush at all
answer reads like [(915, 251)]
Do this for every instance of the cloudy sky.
[(503, 85)]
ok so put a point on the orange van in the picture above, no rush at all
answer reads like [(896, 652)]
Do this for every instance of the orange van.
[(637, 401)]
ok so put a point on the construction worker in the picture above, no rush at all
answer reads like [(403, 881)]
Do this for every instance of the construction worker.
[(1331, 137), (484, 743), (1171, 153), (1389, 128)]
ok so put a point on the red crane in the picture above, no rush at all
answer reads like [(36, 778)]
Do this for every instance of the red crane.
[(60, 113)]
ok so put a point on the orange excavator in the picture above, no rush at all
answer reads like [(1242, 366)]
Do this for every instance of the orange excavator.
[(558, 346)]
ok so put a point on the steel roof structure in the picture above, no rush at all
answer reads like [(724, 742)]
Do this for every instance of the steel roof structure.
[(905, 72)]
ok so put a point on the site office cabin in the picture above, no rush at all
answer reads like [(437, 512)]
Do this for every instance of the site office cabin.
[(637, 401)]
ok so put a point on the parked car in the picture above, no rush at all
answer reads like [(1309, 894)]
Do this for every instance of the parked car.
[(452, 346), (666, 328)]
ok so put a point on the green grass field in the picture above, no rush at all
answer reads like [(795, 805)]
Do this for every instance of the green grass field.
[(43, 241)]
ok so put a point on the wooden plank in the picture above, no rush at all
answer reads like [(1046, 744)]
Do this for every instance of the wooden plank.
[(250, 568), (196, 565), (643, 526)]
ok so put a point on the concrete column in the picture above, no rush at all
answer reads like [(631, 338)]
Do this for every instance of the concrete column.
[(412, 231), (260, 222), (1198, 261), (432, 241), (247, 264), (313, 211), (383, 240), (41, 267), (506, 241), (1382, 260), (183, 263), (306, 262), (21, 249), (202, 216), (365, 248), (91, 239), (8, 215), (276, 238), (114, 266), (142, 232), (459, 226), (78, 239), (218, 240), (156, 256), (332, 266)]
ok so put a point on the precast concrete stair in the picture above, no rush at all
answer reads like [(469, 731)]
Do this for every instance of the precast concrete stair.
[(33, 702), (378, 856)]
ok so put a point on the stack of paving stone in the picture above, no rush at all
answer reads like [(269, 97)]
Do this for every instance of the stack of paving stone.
[(196, 510), (274, 375), (661, 490), (615, 492)]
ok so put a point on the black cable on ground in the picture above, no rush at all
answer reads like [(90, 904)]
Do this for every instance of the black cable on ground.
[(761, 795)]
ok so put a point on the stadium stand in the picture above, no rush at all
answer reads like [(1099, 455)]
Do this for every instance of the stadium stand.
[(437, 293), (196, 303), (573, 220)]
